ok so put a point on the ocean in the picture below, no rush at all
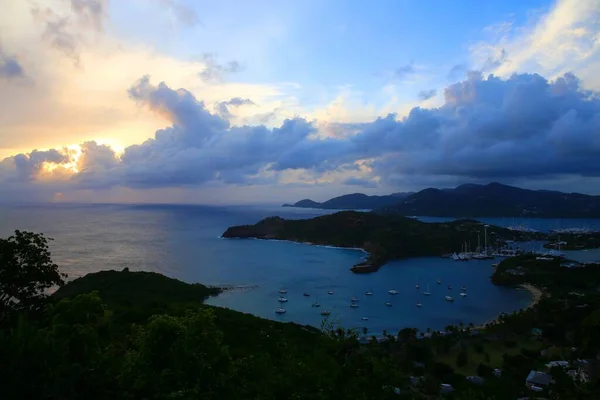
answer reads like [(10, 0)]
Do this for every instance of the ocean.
[(183, 242)]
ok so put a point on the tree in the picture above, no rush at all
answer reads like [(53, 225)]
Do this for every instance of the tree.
[(462, 358), (26, 272)]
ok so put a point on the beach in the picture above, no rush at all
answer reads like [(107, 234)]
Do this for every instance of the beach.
[(536, 294)]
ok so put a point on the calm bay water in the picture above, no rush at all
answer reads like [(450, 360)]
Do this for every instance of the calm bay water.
[(184, 242)]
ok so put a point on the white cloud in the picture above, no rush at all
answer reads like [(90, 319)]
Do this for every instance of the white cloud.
[(566, 38)]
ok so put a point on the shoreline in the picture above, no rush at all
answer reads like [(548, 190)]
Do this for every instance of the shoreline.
[(536, 296), (305, 243)]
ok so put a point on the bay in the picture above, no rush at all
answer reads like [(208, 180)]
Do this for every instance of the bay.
[(184, 242)]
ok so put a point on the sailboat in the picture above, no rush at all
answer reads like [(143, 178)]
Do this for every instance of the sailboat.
[(417, 284), (325, 312), (354, 305), (282, 291), (427, 293), (419, 304), (439, 281), (365, 318), (280, 310), (389, 303), (392, 291), (282, 299), (316, 303), (463, 294), (449, 298), (369, 293), (306, 294), (330, 292), (354, 299)]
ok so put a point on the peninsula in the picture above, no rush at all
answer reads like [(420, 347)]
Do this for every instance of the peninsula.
[(384, 237)]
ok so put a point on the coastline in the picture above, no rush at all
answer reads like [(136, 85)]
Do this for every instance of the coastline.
[(536, 296), (306, 243)]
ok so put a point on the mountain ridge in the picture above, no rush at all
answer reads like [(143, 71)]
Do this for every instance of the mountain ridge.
[(352, 201), (496, 200), (469, 200)]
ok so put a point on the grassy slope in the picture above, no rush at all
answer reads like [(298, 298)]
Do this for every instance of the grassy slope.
[(135, 296)]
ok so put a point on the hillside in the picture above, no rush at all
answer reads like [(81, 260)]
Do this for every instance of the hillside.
[(496, 200), (385, 237), (354, 201)]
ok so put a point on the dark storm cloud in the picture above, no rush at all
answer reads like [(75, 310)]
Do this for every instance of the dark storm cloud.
[(523, 127), (427, 94)]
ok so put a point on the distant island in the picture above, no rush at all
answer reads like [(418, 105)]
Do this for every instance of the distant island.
[(384, 237), (354, 201), (471, 201)]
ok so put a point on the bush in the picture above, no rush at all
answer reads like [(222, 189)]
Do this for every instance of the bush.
[(484, 370), (462, 358), (478, 348), (440, 370), (510, 344)]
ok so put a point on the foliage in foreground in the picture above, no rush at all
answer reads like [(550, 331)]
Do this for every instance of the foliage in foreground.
[(136, 335)]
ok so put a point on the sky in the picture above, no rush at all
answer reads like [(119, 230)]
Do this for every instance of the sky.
[(229, 102)]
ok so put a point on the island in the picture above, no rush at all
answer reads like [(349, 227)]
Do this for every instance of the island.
[(383, 237), (354, 201)]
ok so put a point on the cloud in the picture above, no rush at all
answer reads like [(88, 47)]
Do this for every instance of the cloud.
[(67, 30), (457, 72), (404, 72), (184, 13), (427, 94), (564, 39), (489, 128), (223, 107), (365, 183), (10, 68), (215, 72), (90, 12)]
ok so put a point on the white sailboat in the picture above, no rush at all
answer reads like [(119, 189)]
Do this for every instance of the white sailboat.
[(392, 291), (316, 303), (282, 300), (463, 294), (354, 299), (282, 291), (365, 318), (427, 292), (419, 304), (325, 312), (417, 284), (280, 310), (439, 281), (449, 298), (354, 305), (369, 293)]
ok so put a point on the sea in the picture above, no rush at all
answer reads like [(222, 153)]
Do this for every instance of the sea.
[(184, 242)]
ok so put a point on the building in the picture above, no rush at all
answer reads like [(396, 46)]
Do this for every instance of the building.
[(537, 379)]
